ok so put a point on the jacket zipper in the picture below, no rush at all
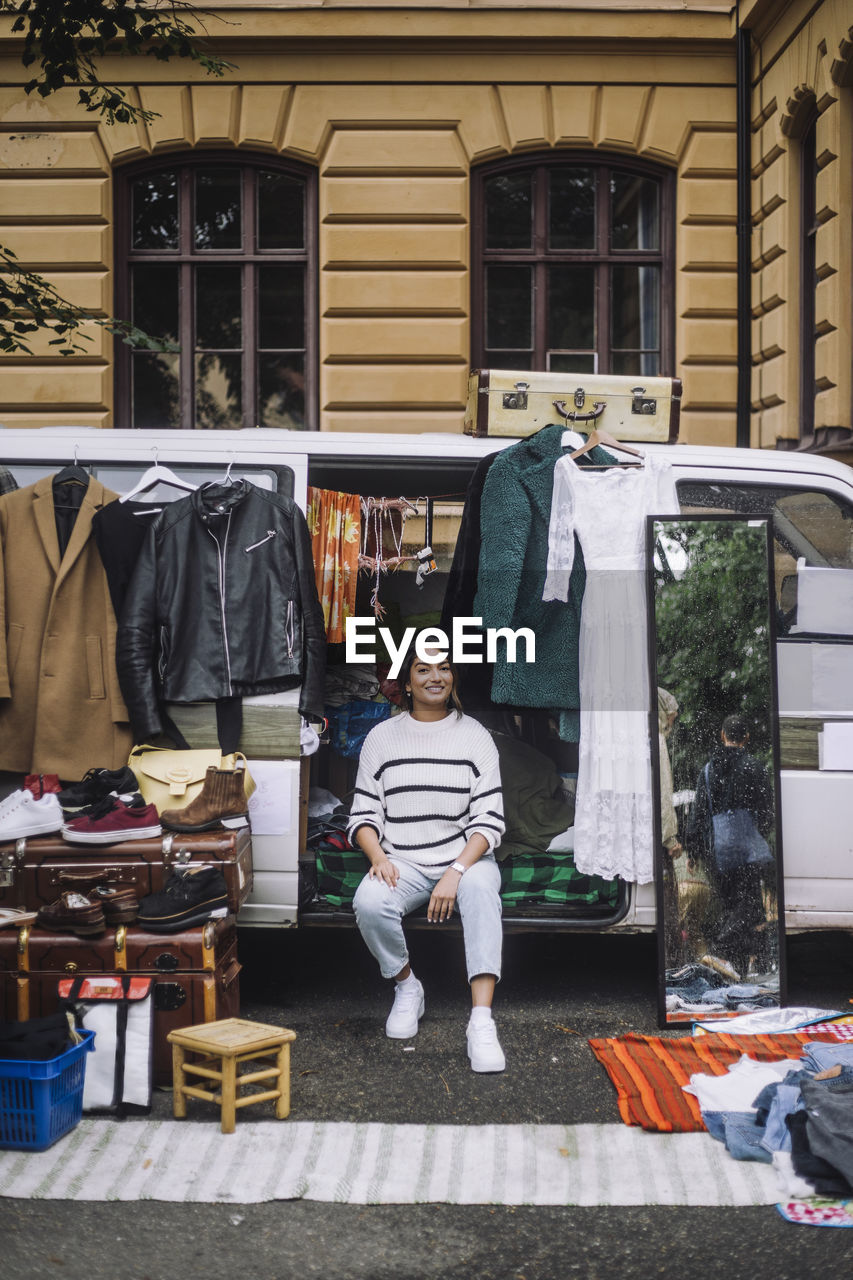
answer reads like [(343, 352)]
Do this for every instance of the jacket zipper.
[(270, 534), (288, 629), (222, 552)]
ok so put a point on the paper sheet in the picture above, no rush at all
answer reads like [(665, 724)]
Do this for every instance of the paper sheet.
[(274, 808)]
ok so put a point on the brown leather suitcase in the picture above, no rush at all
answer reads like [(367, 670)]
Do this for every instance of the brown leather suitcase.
[(196, 974), (33, 873)]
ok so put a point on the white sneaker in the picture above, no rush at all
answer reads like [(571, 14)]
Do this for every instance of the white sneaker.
[(22, 815), (483, 1047), (406, 1012)]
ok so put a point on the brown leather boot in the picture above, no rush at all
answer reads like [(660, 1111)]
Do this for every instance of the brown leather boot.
[(222, 796)]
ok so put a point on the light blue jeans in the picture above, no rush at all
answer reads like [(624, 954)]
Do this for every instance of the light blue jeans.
[(379, 912)]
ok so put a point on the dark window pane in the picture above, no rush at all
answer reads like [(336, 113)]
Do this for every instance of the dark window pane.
[(218, 211), (571, 209), (571, 362), (154, 212), (218, 392), (635, 307), (509, 211), (510, 359), (218, 307), (155, 300), (155, 402), (571, 308), (645, 363), (509, 307), (281, 391), (634, 212), (281, 211), (281, 307)]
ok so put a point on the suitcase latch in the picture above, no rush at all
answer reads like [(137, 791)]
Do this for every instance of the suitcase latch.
[(9, 862), (517, 399), (169, 996), (641, 403)]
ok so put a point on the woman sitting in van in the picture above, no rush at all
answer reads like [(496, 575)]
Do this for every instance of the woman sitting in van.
[(428, 813)]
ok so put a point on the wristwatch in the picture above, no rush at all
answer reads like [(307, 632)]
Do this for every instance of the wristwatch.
[(457, 866)]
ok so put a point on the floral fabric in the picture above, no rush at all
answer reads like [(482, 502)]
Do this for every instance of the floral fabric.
[(334, 520)]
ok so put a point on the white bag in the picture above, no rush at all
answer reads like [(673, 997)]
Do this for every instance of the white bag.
[(120, 1010)]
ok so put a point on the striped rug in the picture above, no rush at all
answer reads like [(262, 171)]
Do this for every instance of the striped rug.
[(385, 1164)]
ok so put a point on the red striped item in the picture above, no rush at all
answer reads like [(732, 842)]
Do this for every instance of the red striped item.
[(649, 1071)]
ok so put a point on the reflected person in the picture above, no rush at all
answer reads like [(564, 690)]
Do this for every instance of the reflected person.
[(736, 780), (667, 715)]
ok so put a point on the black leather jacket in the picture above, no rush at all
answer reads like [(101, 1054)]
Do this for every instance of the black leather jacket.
[(222, 602)]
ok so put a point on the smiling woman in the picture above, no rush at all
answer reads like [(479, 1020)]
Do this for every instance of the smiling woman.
[(428, 814)]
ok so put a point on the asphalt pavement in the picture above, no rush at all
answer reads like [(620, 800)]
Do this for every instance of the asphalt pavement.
[(557, 992)]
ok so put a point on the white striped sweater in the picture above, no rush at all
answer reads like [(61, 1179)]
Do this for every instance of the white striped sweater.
[(426, 786)]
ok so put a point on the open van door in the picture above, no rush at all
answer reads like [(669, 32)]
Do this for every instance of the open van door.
[(272, 460)]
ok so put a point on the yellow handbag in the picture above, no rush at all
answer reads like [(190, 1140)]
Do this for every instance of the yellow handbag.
[(170, 779)]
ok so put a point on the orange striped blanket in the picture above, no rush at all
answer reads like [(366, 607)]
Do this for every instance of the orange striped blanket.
[(649, 1071)]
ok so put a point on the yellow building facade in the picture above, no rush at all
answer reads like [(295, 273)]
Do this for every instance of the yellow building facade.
[(393, 110)]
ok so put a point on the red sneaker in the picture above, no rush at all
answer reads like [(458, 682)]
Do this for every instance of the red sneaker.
[(114, 820), (42, 784)]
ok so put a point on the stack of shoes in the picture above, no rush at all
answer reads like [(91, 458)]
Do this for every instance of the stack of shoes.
[(192, 896), (113, 819), (96, 786), (22, 815)]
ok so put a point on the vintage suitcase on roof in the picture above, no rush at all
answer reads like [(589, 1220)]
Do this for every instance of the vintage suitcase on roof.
[(33, 873), (515, 404), (196, 973)]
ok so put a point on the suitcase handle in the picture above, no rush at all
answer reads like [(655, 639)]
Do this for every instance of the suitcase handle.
[(573, 416)]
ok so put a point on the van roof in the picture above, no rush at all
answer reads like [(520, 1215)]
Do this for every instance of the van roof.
[(93, 443)]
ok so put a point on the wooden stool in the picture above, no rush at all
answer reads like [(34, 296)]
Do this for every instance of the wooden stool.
[(232, 1041)]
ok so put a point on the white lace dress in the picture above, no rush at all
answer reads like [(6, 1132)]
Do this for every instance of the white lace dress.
[(614, 833)]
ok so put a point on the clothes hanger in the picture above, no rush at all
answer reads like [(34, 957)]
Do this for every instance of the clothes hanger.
[(227, 479), (598, 435), (157, 474), (72, 474)]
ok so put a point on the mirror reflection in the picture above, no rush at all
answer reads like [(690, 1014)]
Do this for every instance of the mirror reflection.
[(719, 872)]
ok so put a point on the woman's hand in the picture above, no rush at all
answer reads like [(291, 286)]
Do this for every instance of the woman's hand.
[(443, 898), (383, 869)]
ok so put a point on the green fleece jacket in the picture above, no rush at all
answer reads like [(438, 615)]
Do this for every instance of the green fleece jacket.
[(514, 515)]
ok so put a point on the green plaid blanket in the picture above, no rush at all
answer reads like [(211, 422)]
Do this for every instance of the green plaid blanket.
[(552, 878), (528, 879)]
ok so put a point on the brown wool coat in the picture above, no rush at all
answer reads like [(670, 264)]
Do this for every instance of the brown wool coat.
[(61, 709)]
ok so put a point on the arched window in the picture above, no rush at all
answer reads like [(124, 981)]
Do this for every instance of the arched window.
[(572, 265), (217, 254)]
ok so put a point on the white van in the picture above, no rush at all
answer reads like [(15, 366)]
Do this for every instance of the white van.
[(809, 499)]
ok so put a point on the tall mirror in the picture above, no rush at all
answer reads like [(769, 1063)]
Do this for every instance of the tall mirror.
[(715, 760)]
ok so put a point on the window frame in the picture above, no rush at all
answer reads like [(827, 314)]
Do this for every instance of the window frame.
[(186, 256), (540, 256), (808, 275)]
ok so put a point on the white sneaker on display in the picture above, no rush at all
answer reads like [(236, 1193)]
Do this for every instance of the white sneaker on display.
[(22, 815), (407, 1010), (484, 1050)]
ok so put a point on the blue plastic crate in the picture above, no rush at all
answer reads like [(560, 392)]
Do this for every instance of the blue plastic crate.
[(41, 1101)]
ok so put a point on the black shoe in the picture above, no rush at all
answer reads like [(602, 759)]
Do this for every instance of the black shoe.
[(97, 784), (192, 895)]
